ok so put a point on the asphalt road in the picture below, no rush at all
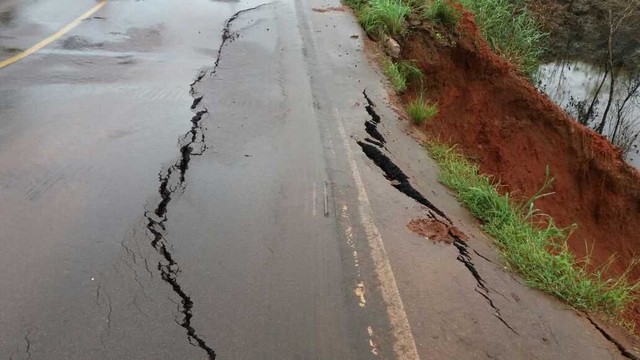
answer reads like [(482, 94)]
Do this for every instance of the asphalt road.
[(245, 263), (180, 180)]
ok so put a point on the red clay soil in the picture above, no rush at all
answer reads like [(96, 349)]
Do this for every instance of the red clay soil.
[(498, 118), (431, 229), (436, 230), (329, 9)]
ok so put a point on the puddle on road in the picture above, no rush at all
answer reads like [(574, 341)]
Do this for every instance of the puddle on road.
[(568, 83)]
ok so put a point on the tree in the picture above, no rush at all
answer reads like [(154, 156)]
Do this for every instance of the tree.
[(629, 10)]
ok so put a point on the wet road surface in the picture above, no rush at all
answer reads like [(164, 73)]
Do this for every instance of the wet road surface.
[(180, 181), (126, 244)]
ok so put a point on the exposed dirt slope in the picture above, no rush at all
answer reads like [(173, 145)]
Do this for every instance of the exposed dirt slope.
[(497, 117)]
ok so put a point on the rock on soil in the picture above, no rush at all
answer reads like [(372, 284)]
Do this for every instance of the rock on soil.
[(391, 47)]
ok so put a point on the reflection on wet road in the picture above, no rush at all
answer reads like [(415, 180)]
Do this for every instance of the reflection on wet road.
[(119, 242)]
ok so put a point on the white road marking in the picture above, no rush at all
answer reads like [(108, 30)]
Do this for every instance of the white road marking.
[(326, 200), (404, 345), (314, 199)]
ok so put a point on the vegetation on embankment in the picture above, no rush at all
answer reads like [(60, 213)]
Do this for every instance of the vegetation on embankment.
[(511, 31), (539, 253), (400, 73), (509, 28), (420, 110)]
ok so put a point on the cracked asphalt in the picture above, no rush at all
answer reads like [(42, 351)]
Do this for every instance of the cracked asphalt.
[(195, 180)]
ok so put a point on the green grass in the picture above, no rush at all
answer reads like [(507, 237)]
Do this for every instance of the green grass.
[(441, 12), (356, 5), (400, 73), (539, 253), (379, 17), (510, 30), (421, 111), (410, 70), (396, 77)]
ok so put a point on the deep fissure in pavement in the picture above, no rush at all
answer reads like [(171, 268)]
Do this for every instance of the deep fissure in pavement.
[(372, 130), (400, 181), (369, 107), (623, 350), (371, 126), (481, 287), (398, 178), (391, 171), (173, 179)]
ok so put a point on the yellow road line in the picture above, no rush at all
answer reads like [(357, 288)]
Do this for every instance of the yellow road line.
[(53, 37)]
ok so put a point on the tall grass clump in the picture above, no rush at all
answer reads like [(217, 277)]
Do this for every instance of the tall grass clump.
[(510, 30), (539, 253), (396, 77), (356, 5), (420, 111), (400, 73), (380, 17), (410, 70), (441, 12)]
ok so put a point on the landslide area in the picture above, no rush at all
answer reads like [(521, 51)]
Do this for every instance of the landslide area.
[(514, 132)]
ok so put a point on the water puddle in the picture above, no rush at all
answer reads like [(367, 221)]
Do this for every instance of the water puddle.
[(574, 85)]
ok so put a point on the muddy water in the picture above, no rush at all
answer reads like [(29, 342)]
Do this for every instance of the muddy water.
[(568, 82)]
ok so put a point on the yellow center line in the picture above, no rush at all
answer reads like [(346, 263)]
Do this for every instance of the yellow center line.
[(53, 37)]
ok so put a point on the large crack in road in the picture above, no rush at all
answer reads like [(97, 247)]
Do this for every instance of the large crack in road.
[(391, 171), (400, 181), (481, 287), (172, 179), (623, 350)]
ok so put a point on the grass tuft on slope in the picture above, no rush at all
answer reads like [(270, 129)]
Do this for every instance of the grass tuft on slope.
[(400, 73), (380, 17), (442, 12), (510, 30), (420, 111), (540, 254)]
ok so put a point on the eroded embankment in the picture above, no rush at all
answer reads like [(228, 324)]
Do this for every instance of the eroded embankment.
[(514, 132)]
